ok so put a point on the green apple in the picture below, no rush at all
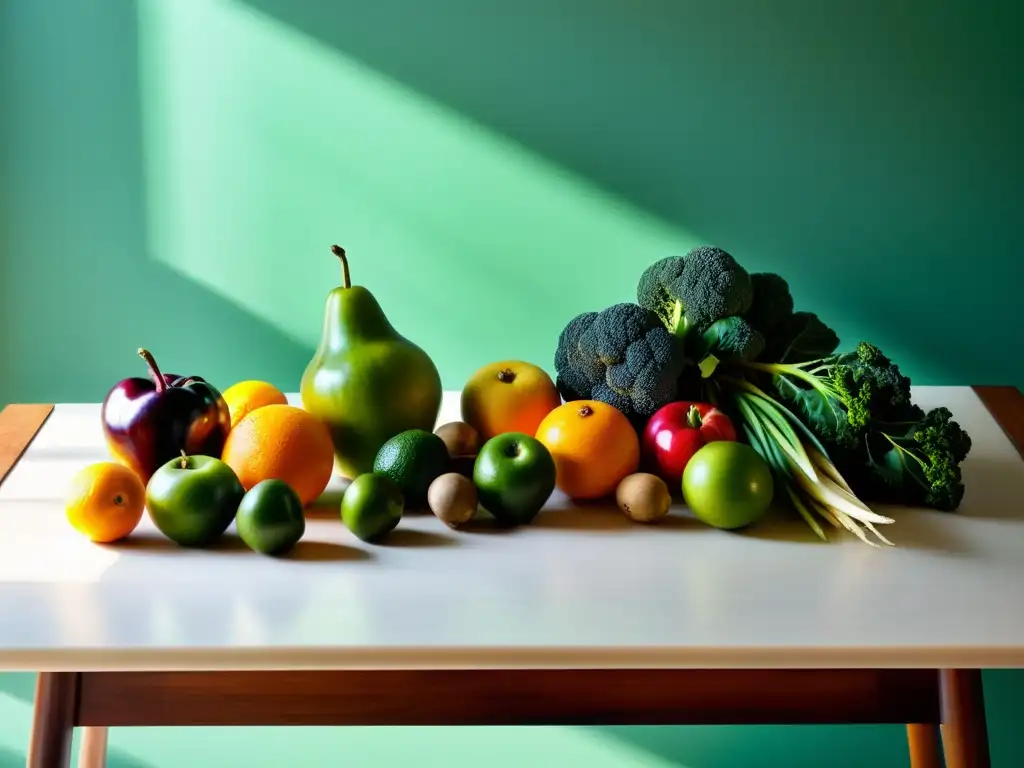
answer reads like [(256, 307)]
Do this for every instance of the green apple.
[(270, 519), (193, 499), (514, 475)]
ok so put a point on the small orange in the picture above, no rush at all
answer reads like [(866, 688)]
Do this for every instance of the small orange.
[(282, 442), (594, 447), (105, 501), (508, 396), (246, 396)]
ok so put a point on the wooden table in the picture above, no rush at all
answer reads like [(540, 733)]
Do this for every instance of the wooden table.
[(582, 618)]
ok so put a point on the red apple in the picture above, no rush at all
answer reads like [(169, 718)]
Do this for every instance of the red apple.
[(676, 432)]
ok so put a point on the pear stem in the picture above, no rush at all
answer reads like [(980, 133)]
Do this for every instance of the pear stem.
[(346, 280), (154, 369)]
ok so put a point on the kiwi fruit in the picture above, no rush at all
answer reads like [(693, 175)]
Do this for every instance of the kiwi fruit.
[(453, 499), (643, 497), (460, 437)]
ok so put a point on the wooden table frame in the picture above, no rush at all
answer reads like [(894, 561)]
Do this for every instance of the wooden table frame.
[(944, 709)]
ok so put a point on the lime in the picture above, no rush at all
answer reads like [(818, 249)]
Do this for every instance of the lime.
[(270, 518), (372, 506), (413, 460), (728, 485)]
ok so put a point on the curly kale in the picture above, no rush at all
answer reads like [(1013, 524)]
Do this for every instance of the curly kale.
[(858, 405), (913, 462), (623, 356), (840, 396)]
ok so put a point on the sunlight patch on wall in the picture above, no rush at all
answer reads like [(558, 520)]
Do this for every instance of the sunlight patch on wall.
[(264, 146)]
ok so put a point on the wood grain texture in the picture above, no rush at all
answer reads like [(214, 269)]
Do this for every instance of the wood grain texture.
[(924, 743), (53, 720), (512, 697), (964, 731), (19, 424), (1006, 404)]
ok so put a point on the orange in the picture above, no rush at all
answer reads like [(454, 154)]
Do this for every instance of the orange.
[(105, 501), (246, 396), (282, 442), (594, 447), (508, 396)]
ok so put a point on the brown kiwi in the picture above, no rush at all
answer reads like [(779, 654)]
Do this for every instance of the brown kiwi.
[(461, 438), (643, 497), (453, 499)]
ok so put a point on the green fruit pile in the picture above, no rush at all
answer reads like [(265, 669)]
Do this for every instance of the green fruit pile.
[(193, 500), (511, 476)]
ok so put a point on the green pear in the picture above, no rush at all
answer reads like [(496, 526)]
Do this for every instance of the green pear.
[(366, 381)]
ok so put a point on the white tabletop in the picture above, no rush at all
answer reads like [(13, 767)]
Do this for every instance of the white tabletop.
[(580, 587)]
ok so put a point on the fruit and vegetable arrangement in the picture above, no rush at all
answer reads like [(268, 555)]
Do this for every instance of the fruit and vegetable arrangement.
[(711, 387)]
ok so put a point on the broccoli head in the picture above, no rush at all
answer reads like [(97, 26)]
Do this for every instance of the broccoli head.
[(689, 293), (623, 356)]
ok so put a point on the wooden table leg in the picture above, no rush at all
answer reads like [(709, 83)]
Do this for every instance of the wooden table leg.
[(53, 720), (923, 740), (964, 731), (93, 752)]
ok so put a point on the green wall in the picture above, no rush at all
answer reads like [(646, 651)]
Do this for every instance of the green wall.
[(172, 174)]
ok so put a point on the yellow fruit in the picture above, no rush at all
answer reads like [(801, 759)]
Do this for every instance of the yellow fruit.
[(282, 442), (246, 396), (508, 396), (105, 501)]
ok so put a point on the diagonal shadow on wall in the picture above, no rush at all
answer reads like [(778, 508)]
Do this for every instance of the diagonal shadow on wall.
[(795, 133)]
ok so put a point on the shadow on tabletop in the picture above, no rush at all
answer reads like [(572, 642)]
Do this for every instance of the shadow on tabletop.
[(414, 538), (308, 551), (747, 124)]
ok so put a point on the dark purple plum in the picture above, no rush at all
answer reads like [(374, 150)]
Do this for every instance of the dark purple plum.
[(148, 422)]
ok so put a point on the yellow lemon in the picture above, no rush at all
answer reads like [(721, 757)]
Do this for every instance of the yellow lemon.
[(105, 501), (246, 396)]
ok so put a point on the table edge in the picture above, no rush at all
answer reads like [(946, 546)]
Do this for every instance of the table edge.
[(314, 658), (19, 425), (1005, 404)]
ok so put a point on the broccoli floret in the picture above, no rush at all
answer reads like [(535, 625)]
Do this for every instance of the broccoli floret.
[(622, 356), (689, 293)]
